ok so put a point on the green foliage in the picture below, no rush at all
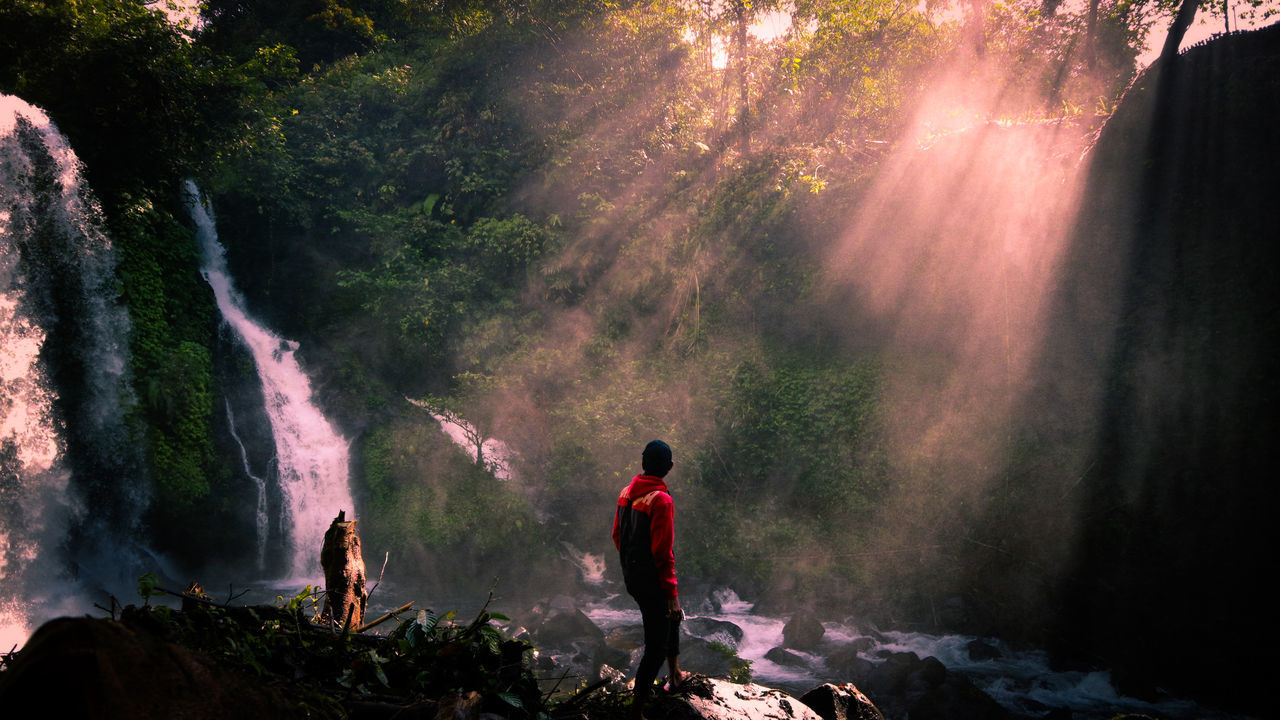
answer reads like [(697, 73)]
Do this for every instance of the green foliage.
[(479, 657), (305, 604), (180, 403), (171, 312), (786, 492), (317, 31), (147, 587), (739, 669), (427, 657), (432, 500), (139, 102)]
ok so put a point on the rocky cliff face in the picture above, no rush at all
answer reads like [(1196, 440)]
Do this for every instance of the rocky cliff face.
[(1165, 330)]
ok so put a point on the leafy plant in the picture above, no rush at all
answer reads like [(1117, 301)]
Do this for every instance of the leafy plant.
[(739, 667)]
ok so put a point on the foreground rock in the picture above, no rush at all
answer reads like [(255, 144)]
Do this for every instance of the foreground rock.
[(86, 668), (841, 702), (214, 661), (704, 698)]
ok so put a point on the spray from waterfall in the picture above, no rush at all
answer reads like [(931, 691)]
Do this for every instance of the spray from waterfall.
[(313, 459), (71, 483), (951, 258)]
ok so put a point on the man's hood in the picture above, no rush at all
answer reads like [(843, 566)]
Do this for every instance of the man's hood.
[(645, 484)]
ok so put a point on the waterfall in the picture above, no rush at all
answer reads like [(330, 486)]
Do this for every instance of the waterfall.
[(70, 495), (312, 457)]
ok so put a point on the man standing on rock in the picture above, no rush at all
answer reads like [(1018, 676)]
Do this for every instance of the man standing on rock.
[(644, 533)]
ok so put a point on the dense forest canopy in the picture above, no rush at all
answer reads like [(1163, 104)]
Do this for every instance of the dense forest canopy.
[(579, 225)]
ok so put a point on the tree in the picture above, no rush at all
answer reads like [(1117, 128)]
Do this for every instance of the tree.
[(1181, 21), (318, 31), (471, 430)]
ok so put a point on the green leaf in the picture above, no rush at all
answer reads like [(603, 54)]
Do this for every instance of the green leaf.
[(147, 586)]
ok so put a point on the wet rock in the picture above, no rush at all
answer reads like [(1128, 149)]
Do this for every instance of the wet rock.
[(841, 702), (907, 686), (584, 658), (700, 599), (850, 667), (562, 627), (700, 656), (786, 658), (846, 662), (625, 637), (890, 677), (705, 698), (927, 674), (802, 632), (980, 650), (614, 657), (956, 699), (713, 630), (614, 679)]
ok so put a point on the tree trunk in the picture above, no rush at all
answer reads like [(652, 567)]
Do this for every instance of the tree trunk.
[(744, 94), (975, 27), (344, 594), (1186, 13), (1091, 35)]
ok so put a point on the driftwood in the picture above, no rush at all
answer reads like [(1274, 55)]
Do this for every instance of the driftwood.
[(344, 594), (385, 618)]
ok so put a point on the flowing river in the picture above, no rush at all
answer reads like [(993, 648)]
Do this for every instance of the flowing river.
[(1020, 680)]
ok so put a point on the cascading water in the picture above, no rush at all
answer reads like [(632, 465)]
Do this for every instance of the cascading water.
[(71, 484), (312, 457)]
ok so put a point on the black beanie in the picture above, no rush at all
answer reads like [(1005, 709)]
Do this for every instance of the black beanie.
[(656, 457)]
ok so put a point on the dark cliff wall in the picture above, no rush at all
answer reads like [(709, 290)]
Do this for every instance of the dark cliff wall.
[(1166, 330)]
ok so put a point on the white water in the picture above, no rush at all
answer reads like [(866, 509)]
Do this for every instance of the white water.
[(57, 269), (313, 459), (1022, 681), (590, 565), (495, 454)]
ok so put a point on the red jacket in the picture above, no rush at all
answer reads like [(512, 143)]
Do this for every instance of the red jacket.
[(644, 533)]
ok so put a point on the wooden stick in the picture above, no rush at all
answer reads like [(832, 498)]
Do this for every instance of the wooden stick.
[(193, 598), (385, 618)]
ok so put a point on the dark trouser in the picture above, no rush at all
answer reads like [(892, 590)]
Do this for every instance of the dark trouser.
[(661, 639)]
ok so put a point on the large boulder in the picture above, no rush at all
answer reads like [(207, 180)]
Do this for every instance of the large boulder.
[(841, 702), (700, 656), (786, 658), (625, 637), (890, 676), (955, 698), (980, 650), (802, 632), (703, 698), (847, 663), (905, 685), (98, 668), (713, 630), (562, 628)]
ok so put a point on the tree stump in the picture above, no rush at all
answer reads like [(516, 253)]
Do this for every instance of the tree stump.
[(344, 594)]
